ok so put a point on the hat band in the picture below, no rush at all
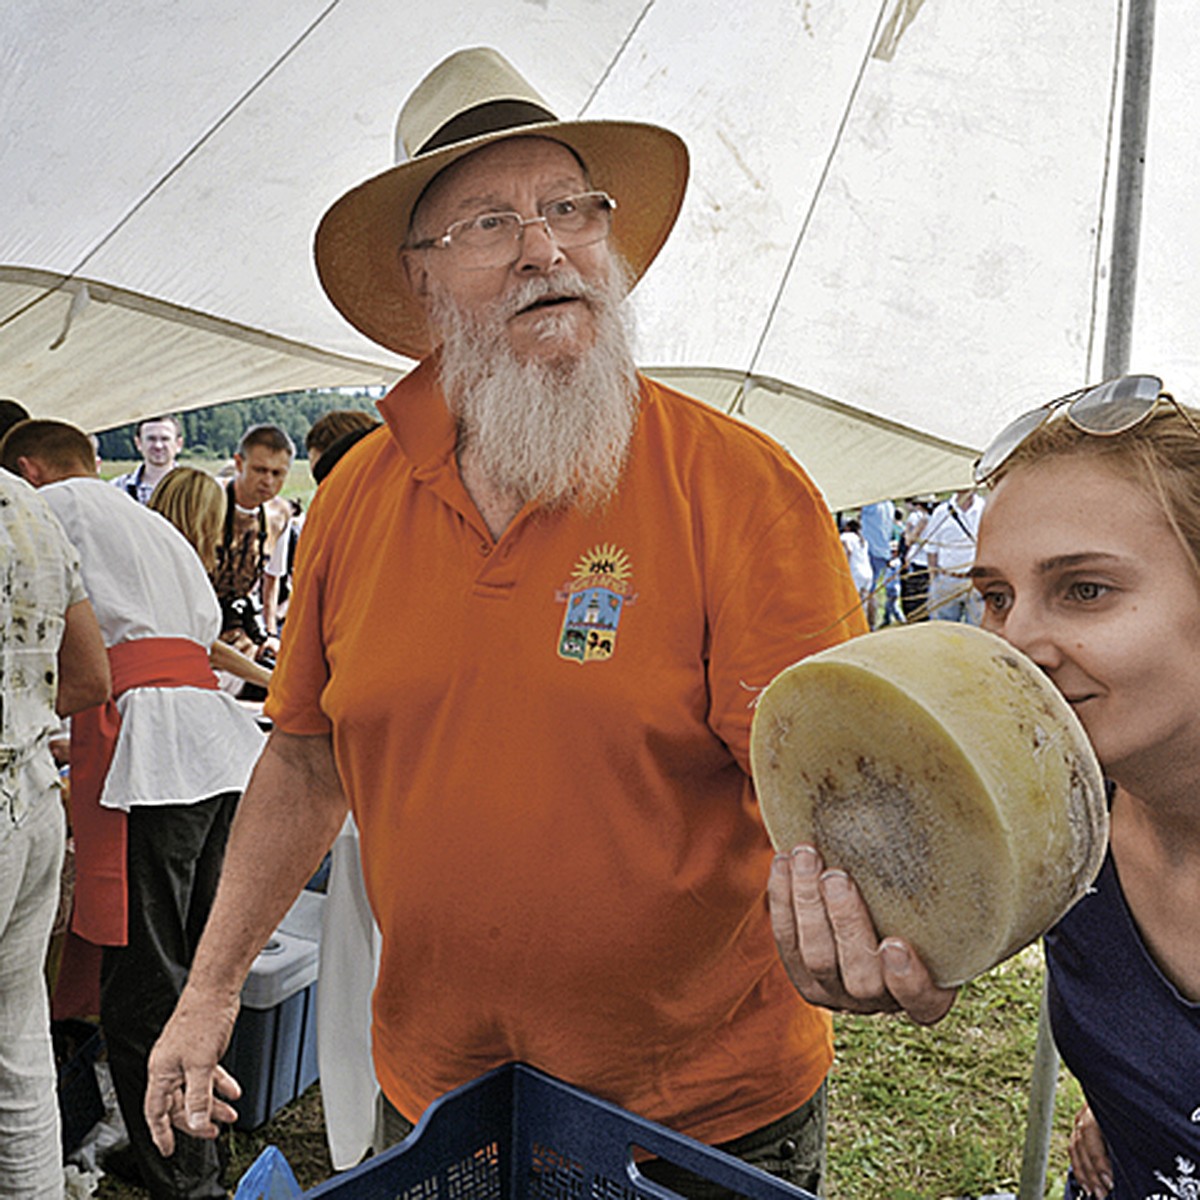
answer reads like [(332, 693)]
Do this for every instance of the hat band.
[(493, 117)]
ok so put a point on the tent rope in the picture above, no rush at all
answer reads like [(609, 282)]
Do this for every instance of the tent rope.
[(738, 402), (169, 173)]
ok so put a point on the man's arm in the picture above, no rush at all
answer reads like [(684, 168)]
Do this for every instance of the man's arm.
[(83, 673), (279, 520), (226, 657), (270, 609), (292, 810)]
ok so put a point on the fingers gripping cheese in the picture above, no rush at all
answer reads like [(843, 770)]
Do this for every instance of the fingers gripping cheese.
[(942, 770)]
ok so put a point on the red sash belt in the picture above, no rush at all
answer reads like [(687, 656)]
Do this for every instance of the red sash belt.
[(101, 901)]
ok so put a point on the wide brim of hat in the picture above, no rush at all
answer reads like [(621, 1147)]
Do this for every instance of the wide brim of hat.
[(357, 245)]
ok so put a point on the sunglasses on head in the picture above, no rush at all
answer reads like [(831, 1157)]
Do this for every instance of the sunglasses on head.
[(1106, 409)]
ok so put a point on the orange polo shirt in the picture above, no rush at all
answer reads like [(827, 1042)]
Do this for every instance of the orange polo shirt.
[(545, 744)]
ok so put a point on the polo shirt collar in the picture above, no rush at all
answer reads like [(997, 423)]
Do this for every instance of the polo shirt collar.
[(417, 417)]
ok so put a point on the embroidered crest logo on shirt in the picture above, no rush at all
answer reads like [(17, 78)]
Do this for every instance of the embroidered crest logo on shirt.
[(599, 588)]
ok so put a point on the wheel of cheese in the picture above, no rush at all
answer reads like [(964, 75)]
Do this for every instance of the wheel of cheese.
[(941, 769)]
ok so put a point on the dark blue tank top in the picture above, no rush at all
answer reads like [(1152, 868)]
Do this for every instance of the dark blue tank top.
[(1131, 1040)]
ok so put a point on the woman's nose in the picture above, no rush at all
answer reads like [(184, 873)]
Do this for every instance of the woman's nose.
[(1027, 628)]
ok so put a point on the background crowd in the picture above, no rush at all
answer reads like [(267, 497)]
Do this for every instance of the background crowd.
[(183, 579), (912, 563)]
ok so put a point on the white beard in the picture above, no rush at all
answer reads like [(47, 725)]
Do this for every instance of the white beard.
[(556, 431)]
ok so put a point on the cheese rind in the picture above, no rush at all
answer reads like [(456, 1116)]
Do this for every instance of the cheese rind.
[(942, 770)]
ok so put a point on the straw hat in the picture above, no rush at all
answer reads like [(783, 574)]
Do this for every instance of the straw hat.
[(474, 98)]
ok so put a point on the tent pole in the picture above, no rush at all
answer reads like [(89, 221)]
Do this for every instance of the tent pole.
[(1131, 171), (1040, 1116), (1118, 339)]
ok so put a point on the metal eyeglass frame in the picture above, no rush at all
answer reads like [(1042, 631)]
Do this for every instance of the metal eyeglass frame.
[(447, 240)]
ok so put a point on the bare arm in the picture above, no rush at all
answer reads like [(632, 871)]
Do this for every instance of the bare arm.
[(270, 595), (225, 657), (279, 519), (286, 821), (83, 674)]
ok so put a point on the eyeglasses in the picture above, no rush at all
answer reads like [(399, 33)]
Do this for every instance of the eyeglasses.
[(493, 239), (1107, 409)]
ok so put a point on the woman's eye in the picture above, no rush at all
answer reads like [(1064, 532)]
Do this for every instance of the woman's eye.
[(1087, 590), (994, 599)]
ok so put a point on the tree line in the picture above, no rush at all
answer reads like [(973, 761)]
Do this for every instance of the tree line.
[(215, 432)]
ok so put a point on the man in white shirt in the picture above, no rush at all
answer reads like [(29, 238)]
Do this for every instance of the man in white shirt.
[(950, 546), (159, 441), (52, 663), (155, 774)]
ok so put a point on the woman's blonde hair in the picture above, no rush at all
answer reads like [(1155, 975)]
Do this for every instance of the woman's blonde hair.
[(194, 502), (1161, 456)]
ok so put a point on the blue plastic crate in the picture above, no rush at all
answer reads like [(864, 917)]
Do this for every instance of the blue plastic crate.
[(517, 1133)]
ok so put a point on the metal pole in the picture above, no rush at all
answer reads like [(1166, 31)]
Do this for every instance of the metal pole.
[(1040, 1117), (1118, 339), (1131, 171)]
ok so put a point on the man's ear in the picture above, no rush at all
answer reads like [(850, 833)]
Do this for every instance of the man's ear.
[(32, 470), (412, 262)]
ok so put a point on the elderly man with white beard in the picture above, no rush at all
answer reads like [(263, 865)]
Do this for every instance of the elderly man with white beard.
[(531, 616)]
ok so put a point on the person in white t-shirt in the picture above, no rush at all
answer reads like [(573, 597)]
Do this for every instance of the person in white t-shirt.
[(950, 547), (859, 558), (150, 829)]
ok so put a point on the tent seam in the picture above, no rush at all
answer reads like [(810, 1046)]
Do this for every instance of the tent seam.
[(175, 167)]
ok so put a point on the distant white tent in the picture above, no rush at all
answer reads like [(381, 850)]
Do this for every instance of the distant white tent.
[(895, 236)]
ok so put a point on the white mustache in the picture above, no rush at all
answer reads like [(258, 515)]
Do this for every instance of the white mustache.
[(562, 285)]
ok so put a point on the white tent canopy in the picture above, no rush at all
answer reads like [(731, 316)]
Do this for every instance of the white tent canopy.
[(895, 236)]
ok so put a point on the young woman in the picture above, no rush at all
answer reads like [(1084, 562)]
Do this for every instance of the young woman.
[(1089, 562), (194, 502)]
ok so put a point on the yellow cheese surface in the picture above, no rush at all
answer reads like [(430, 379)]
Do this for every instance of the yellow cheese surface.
[(942, 770)]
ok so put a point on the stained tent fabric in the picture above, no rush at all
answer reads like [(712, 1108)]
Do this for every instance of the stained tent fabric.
[(895, 238)]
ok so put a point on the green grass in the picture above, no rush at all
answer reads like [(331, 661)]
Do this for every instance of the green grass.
[(940, 1112), (297, 1130), (915, 1113)]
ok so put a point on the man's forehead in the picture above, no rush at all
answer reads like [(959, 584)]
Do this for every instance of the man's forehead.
[(486, 176), (264, 458), (158, 429)]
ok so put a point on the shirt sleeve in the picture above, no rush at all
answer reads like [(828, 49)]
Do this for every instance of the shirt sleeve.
[(789, 595)]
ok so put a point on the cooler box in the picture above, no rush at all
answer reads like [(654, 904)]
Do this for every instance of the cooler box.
[(273, 1051), (516, 1133)]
